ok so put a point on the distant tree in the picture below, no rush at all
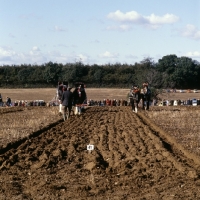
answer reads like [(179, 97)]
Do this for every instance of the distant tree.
[(98, 76), (170, 71), (24, 74), (51, 72), (166, 66)]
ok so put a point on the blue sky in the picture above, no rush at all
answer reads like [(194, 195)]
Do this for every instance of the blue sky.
[(97, 31)]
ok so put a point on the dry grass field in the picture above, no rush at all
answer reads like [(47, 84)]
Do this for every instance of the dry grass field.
[(181, 122), (181, 96), (154, 154), (47, 94), (18, 123)]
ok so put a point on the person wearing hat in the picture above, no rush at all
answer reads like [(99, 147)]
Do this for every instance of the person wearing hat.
[(134, 97), (146, 96), (80, 98), (66, 100), (8, 102)]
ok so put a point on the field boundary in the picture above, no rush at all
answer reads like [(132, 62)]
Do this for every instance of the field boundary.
[(16, 144), (169, 139)]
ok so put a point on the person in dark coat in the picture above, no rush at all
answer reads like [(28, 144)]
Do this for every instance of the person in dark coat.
[(8, 102), (67, 98), (146, 96), (80, 98)]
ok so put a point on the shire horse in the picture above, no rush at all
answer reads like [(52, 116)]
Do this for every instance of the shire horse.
[(80, 97), (134, 97), (145, 96)]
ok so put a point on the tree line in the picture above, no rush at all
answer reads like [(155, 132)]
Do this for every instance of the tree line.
[(169, 72)]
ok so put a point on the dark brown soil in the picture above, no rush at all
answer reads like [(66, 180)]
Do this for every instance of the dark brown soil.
[(132, 159)]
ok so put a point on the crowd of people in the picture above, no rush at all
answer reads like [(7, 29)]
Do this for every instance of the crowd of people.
[(9, 102), (108, 102), (187, 102), (78, 98), (67, 98), (138, 94)]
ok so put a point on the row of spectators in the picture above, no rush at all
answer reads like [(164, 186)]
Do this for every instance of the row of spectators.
[(24, 103), (9, 102), (107, 102), (30, 103), (187, 102), (114, 102)]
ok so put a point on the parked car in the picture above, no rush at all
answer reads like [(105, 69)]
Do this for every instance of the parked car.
[(194, 102), (175, 103), (195, 91), (181, 91)]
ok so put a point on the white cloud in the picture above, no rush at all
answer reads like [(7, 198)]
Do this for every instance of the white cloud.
[(195, 54), (82, 58), (191, 31), (6, 54), (59, 29), (127, 17), (131, 56), (107, 54), (35, 51), (133, 17), (35, 48), (9, 56), (57, 56), (159, 20), (123, 27)]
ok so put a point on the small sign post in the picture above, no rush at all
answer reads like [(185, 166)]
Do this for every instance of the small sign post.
[(90, 147)]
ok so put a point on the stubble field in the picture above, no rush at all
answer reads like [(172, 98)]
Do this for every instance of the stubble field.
[(48, 94), (149, 155)]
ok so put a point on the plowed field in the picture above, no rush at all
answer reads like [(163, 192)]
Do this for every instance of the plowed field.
[(132, 159)]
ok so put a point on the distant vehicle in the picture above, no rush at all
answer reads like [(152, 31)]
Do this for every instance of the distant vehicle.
[(162, 103), (175, 103), (189, 91), (194, 102), (40, 102), (195, 91), (181, 91)]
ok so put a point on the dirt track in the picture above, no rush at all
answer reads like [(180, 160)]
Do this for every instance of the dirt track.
[(132, 159)]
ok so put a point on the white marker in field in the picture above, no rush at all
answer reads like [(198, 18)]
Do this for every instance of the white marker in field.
[(90, 147)]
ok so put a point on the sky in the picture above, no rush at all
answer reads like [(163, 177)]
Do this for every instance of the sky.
[(97, 31)]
